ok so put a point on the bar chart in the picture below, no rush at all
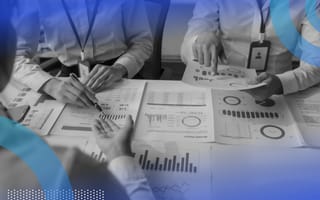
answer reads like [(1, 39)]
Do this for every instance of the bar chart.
[(98, 156), (245, 114), (176, 98), (173, 163), (154, 119), (112, 116)]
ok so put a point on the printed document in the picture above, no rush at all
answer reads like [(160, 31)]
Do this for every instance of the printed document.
[(227, 78), (122, 99)]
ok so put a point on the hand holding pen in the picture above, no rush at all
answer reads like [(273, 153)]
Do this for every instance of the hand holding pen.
[(88, 93)]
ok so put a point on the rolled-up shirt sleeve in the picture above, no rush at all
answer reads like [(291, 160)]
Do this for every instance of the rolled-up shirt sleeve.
[(138, 36), (308, 74), (27, 24), (131, 176)]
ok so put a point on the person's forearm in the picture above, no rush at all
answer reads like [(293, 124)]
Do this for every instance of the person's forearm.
[(29, 73), (300, 79), (131, 176)]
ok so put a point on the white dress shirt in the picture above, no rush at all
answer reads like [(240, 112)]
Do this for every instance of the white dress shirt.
[(237, 24), (130, 175), (121, 29), (15, 174)]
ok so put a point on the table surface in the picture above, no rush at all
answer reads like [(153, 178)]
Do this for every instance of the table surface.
[(251, 172)]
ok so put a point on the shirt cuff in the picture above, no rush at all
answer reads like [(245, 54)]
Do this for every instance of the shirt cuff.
[(33, 78), (130, 65), (39, 79), (125, 169), (289, 82), (131, 176)]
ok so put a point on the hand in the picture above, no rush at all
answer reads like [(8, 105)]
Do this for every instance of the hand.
[(273, 86), (205, 48), (69, 91), (113, 140), (105, 76)]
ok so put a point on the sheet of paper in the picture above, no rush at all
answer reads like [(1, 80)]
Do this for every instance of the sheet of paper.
[(122, 99), (41, 118), (228, 77), (305, 107), (16, 94), (175, 112), (239, 119), (69, 142), (174, 171)]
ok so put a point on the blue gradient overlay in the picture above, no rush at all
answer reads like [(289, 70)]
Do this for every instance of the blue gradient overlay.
[(288, 34), (314, 19), (38, 156)]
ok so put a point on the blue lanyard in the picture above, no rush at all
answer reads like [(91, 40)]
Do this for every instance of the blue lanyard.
[(263, 20), (73, 26)]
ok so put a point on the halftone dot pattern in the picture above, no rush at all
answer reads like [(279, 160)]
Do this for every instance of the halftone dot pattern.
[(32, 194), (13, 137)]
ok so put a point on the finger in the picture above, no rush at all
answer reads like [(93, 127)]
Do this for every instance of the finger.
[(112, 125), (80, 96), (126, 134), (262, 77), (99, 132), (128, 122), (101, 79), (214, 58), (195, 52), (200, 55), (76, 84), (72, 94), (207, 56), (70, 98), (98, 71), (253, 94), (110, 81), (92, 73), (268, 81), (105, 126), (88, 94), (258, 94), (223, 57), (97, 128)]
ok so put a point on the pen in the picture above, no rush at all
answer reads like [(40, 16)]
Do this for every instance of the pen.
[(95, 104)]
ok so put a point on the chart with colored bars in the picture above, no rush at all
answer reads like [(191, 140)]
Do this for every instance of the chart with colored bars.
[(166, 164), (240, 119), (227, 77)]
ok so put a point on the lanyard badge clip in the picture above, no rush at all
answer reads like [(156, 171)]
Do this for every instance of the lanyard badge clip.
[(260, 50)]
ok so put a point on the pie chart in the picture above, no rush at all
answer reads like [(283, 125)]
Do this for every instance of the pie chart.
[(272, 132), (191, 121)]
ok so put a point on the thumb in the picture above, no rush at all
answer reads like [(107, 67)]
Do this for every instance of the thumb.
[(126, 131), (128, 122), (262, 77), (259, 79)]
